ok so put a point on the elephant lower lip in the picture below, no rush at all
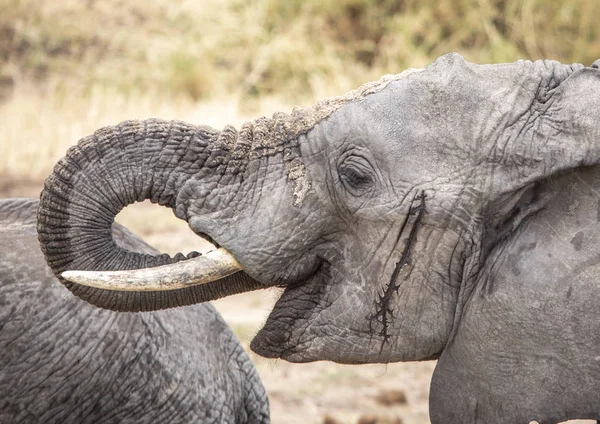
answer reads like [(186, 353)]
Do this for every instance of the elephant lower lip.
[(294, 308), (272, 339)]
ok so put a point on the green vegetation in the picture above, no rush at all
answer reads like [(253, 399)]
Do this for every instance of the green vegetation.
[(295, 48)]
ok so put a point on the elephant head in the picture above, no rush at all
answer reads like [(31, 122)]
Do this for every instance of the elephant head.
[(374, 212)]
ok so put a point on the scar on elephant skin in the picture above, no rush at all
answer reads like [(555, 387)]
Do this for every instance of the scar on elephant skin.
[(384, 312)]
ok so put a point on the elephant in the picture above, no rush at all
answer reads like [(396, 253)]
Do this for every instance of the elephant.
[(63, 360), (449, 212)]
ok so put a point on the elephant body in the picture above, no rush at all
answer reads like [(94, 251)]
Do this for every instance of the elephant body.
[(63, 360), (449, 213), (527, 346)]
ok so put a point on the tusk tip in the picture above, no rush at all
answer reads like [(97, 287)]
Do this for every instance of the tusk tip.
[(70, 276)]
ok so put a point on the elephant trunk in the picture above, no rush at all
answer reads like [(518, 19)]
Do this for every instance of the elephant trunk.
[(115, 167)]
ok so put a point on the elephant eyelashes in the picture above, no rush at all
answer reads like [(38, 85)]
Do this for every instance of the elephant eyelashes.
[(357, 175)]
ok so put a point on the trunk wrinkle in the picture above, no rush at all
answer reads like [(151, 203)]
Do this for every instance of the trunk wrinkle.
[(115, 167)]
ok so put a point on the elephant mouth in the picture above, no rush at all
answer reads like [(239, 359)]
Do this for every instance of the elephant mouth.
[(297, 318), (207, 270), (299, 303), (304, 286)]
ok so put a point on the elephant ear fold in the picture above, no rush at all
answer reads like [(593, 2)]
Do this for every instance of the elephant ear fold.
[(504, 214)]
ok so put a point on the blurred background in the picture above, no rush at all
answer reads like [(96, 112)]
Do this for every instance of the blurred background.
[(69, 67)]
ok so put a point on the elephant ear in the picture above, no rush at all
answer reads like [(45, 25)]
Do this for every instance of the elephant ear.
[(525, 120), (559, 131), (510, 125)]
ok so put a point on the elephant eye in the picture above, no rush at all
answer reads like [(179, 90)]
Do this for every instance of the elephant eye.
[(357, 175)]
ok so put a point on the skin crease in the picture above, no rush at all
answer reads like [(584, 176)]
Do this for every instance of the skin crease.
[(422, 218), (65, 361), (420, 196)]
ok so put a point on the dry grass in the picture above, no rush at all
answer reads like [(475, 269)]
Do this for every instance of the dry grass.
[(68, 67), (36, 129), (258, 47)]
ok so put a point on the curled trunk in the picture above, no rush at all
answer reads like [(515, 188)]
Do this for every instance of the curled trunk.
[(115, 167)]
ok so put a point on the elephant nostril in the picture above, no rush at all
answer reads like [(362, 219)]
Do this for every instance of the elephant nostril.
[(181, 257)]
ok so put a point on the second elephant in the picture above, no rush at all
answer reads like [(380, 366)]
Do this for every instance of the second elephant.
[(63, 360)]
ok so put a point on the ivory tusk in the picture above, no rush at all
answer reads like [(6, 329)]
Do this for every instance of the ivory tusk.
[(200, 270)]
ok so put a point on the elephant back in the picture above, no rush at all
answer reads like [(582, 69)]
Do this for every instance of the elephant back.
[(64, 360)]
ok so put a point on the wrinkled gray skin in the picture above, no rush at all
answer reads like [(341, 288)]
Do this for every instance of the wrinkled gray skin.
[(448, 213), (65, 361)]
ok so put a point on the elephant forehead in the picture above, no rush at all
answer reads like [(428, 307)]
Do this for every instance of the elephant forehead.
[(304, 119), (271, 135), (267, 133)]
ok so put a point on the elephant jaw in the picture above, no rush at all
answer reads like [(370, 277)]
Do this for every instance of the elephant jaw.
[(306, 325), (297, 306), (203, 269)]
